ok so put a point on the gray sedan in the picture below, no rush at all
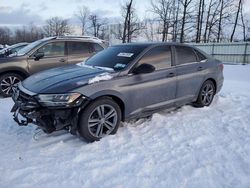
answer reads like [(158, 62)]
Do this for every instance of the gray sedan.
[(122, 82)]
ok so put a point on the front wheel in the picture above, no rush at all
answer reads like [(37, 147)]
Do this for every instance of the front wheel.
[(7, 83), (102, 117), (206, 94)]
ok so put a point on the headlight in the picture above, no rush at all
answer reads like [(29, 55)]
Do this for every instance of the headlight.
[(60, 100)]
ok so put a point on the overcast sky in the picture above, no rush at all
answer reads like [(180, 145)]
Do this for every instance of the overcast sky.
[(20, 12)]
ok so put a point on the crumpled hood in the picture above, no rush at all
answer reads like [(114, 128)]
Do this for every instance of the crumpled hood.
[(61, 80)]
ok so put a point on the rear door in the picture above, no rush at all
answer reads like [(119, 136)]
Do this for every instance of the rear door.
[(152, 90), (54, 56), (190, 74), (78, 51)]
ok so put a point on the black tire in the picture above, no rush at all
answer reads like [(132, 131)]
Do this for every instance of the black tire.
[(87, 130), (206, 94), (6, 90)]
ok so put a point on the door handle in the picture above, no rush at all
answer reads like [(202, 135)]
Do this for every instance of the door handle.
[(171, 74), (199, 68), (62, 60)]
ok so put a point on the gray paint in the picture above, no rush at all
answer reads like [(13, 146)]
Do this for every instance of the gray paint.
[(141, 93)]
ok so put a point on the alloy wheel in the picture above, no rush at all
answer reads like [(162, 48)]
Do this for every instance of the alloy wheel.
[(207, 94), (102, 121), (7, 84)]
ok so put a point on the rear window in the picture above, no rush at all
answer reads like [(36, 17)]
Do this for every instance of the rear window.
[(116, 57), (185, 55), (78, 48)]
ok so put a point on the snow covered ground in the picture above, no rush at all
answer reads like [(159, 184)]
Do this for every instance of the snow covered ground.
[(188, 147)]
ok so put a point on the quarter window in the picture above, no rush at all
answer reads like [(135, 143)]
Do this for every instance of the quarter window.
[(185, 55), (159, 57), (52, 49), (78, 48), (200, 56)]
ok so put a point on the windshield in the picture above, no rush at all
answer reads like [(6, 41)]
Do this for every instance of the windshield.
[(29, 47), (116, 57)]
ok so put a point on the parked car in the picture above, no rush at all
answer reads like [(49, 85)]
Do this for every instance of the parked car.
[(45, 54), (120, 83), (13, 49), (1, 47)]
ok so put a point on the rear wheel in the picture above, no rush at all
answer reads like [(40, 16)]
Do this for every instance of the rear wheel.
[(101, 118), (7, 82), (206, 94)]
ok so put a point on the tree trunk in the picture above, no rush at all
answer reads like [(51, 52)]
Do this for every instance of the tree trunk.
[(201, 20), (243, 23), (176, 22), (207, 21), (198, 22), (126, 28), (220, 19), (236, 21), (129, 23), (185, 5)]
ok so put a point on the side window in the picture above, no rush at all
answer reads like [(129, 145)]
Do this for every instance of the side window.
[(97, 47), (52, 49), (16, 49), (185, 55), (78, 48), (200, 56), (159, 57)]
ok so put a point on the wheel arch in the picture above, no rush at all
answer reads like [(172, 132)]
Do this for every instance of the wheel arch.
[(15, 71), (214, 82), (115, 96)]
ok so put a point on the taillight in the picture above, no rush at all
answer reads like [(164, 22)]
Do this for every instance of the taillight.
[(221, 66)]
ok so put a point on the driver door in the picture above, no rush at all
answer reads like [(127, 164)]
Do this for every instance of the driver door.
[(150, 91), (53, 56)]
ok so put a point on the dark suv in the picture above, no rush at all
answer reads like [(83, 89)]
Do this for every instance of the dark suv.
[(117, 84), (45, 54)]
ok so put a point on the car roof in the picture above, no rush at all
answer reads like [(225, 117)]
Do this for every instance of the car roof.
[(149, 44)]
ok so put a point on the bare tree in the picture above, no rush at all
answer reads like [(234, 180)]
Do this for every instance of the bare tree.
[(220, 19), (131, 25), (164, 11), (236, 19), (211, 12), (199, 20), (28, 33), (117, 30), (213, 20), (176, 13), (56, 26), (127, 9), (5, 35), (96, 24), (152, 29), (185, 4), (225, 14), (243, 22), (82, 14)]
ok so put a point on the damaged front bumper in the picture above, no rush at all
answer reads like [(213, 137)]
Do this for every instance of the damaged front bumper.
[(27, 109)]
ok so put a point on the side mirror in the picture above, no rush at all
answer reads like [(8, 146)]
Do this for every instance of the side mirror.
[(38, 56), (144, 68)]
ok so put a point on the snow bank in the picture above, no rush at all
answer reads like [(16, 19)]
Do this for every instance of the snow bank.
[(100, 77), (187, 147)]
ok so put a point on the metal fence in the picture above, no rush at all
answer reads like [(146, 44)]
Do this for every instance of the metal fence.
[(227, 52)]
